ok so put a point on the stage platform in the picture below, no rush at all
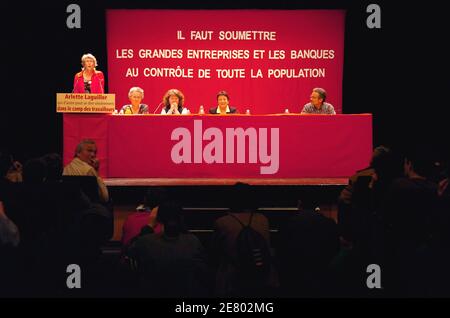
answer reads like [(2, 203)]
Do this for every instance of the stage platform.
[(206, 199), (151, 182)]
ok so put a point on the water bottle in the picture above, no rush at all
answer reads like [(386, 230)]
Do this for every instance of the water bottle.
[(247, 112), (286, 111), (201, 110)]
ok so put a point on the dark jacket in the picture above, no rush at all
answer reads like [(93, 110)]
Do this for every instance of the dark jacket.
[(233, 110)]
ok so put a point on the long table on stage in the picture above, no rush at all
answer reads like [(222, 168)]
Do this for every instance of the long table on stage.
[(270, 147)]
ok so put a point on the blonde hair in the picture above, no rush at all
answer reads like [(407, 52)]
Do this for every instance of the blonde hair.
[(88, 56), (136, 89)]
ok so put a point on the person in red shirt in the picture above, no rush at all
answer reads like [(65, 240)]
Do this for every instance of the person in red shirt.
[(89, 80), (145, 216)]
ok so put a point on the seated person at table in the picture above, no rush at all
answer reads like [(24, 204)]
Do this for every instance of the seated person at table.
[(173, 102), (222, 105), (318, 104), (136, 94), (89, 80)]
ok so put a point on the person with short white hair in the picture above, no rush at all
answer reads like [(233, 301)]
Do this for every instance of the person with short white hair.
[(136, 94), (89, 80)]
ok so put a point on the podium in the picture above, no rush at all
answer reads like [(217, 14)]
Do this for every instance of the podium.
[(85, 103)]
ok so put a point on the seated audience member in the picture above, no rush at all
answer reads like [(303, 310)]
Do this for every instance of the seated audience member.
[(6, 163), (9, 270), (232, 279), (89, 80), (436, 260), (96, 219), (407, 215), (443, 187), (96, 229), (308, 243), (9, 233), (364, 192), (15, 172), (38, 211), (170, 264), (53, 161), (11, 170), (410, 197), (223, 107), (146, 216), (173, 102), (35, 208), (136, 95), (35, 171), (85, 163), (318, 104)]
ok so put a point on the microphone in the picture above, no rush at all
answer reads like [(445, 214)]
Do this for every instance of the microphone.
[(160, 104), (101, 80)]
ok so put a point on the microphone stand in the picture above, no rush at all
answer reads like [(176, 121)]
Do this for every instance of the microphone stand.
[(160, 104)]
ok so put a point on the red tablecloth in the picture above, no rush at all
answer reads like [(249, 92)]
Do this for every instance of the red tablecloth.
[(279, 146)]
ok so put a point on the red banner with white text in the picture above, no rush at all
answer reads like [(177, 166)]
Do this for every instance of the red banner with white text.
[(267, 60)]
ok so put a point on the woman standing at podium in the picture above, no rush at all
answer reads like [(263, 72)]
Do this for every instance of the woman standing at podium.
[(89, 80)]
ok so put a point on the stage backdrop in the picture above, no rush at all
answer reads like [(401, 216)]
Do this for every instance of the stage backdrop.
[(267, 60)]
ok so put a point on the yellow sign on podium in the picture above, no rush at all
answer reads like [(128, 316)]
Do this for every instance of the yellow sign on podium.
[(85, 103)]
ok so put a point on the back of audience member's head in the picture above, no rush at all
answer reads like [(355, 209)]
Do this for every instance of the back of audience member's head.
[(243, 198), (439, 170), (423, 161), (443, 172), (155, 196), (307, 206), (300, 205), (387, 163), (54, 166), (5, 162), (312, 234), (34, 171), (445, 180), (170, 214)]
